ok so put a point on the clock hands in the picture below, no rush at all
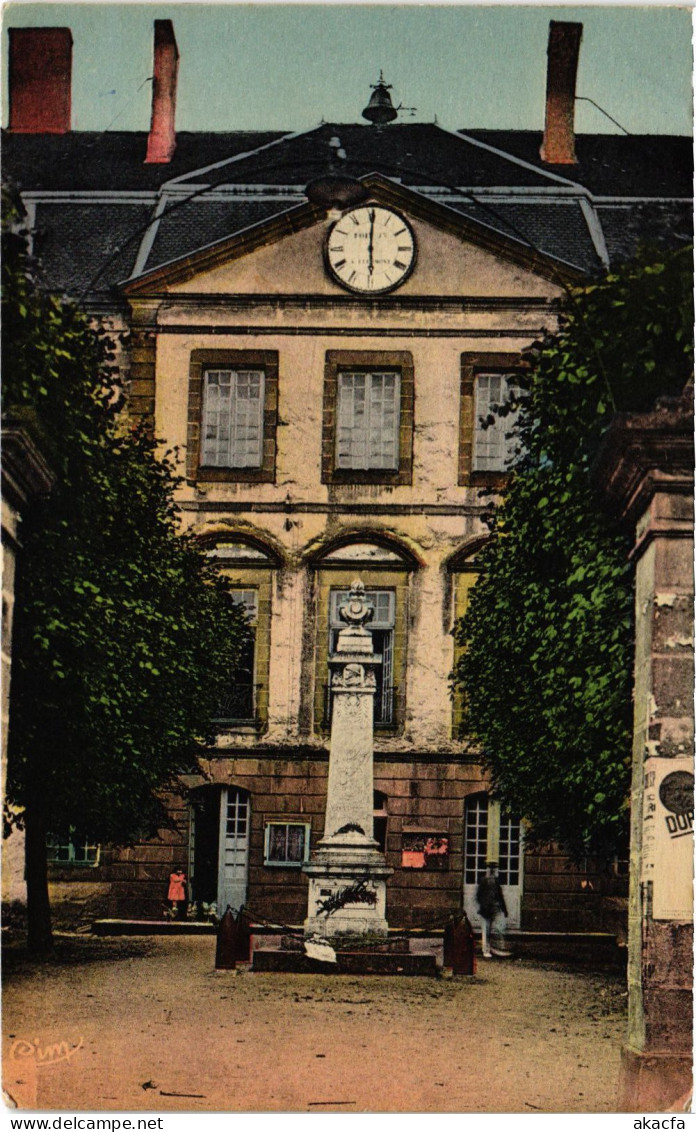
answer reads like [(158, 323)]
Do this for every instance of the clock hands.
[(370, 246)]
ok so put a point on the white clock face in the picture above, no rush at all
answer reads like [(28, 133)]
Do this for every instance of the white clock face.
[(370, 250)]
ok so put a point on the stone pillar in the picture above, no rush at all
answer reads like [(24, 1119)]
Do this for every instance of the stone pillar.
[(347, 873), (646, 471), (26, 477)]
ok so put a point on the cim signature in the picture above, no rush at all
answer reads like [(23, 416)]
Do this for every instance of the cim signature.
[(52, 1054)]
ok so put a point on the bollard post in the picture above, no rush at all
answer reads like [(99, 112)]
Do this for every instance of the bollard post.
[(458, 946), (242, 952), (226, 948)]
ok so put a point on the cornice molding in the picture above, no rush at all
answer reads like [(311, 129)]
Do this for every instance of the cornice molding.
[(310, 300), (26, 474), (646, 453)]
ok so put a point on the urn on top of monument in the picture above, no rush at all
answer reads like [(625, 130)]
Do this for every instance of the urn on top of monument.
[(356, 613)]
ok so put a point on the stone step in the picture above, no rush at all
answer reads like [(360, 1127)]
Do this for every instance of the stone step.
[(347, 963)]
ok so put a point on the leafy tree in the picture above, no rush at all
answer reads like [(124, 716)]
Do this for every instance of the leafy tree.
[(545, 670), (125, 637)]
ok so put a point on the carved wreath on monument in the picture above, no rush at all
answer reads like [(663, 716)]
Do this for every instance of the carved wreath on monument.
[(353, 676)]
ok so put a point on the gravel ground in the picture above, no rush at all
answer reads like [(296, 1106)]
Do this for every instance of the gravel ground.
[(148, 1025)]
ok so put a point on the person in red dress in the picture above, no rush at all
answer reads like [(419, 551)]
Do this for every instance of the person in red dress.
[(177, 893)]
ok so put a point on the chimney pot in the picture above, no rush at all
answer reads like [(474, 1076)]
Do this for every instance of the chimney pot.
[(161, 141), (40, 71), (558, 146)]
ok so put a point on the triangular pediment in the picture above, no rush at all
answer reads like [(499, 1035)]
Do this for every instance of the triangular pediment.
[(284, 252)]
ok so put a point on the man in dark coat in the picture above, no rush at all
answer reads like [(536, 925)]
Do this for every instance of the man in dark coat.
[(493, 912)]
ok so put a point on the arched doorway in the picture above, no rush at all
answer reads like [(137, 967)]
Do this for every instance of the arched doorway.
[(490, 835), (219, 846)]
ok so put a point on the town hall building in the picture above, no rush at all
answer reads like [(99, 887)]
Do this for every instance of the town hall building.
[(321, 323)]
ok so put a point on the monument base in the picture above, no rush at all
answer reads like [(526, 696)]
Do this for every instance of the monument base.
[(347, 889)]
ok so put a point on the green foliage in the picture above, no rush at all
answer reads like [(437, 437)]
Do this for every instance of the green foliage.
[(125, 638), (546, 666)]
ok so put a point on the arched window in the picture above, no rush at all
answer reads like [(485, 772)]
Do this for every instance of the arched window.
[(384, 566), (463, 573), (249, 566)]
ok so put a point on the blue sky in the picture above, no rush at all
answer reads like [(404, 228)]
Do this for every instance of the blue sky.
[(287, 66)]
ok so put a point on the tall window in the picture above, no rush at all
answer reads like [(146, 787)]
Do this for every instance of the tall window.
[(249, 568), (240, 704), (494, 447), (475, 838), (367, 435), (232, 416), (233, 402), (242, 697), (509, 856), (382, 628), (476, 843), (367, 429)]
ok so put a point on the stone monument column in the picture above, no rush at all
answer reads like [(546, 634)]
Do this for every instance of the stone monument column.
[(646, 472), (347, 873)]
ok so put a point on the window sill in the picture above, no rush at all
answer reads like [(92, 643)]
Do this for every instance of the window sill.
[(240, 726), (493, 480), (394, 477), (234, 475), (284, 864), (56, 869)]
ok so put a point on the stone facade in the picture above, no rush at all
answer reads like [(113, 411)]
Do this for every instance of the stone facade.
[(291, 534), (218, 266)]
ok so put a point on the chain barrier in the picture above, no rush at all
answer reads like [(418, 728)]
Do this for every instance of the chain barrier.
[(404, 933)]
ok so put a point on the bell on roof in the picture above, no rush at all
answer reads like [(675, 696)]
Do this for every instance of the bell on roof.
[(380, 109)]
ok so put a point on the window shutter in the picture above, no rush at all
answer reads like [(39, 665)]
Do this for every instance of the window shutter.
[(384, 418)]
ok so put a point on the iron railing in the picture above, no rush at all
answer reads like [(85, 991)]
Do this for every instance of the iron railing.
[(239, 705), (384, 710)]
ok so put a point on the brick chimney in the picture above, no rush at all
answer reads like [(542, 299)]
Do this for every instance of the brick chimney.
[(558, 146), (40, 71), (161, 142)]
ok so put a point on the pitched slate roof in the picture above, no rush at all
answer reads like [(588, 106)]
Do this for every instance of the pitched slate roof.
[(421, 154), (112, 161), (97, 231), (87, 246), (556, 227), (648, 165), (196, 224), (627, 227)]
